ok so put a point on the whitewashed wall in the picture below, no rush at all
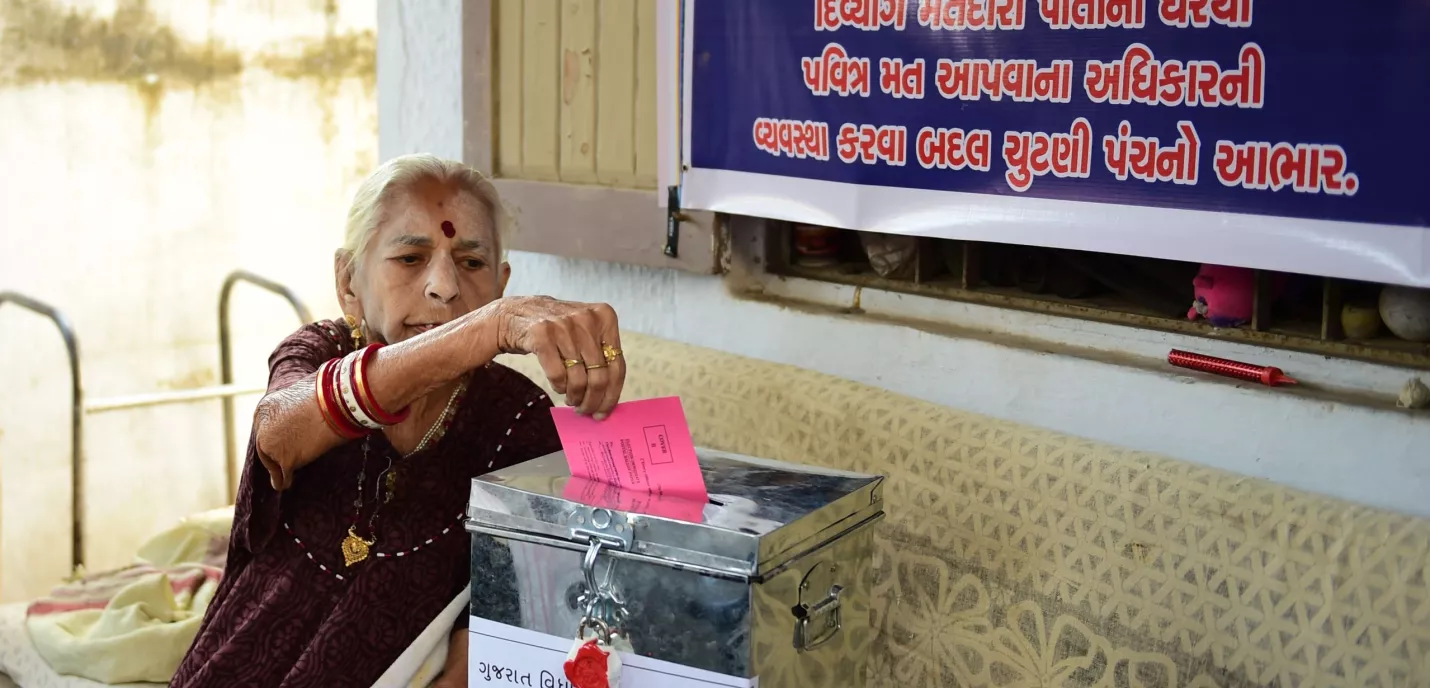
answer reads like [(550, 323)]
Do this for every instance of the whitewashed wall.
[(125, 204)]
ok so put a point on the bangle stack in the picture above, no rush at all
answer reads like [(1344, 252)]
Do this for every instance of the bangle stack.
[(345, 399)]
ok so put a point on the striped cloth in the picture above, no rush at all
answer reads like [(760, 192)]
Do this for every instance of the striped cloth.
[(134, 623)]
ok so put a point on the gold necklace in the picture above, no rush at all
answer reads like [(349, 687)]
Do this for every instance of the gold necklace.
[(441, 419), (354, 547)]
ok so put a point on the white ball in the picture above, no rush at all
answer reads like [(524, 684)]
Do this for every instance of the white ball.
[(1406, 312)]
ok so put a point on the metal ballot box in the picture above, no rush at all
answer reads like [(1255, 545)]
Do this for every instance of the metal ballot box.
[(766, 584)]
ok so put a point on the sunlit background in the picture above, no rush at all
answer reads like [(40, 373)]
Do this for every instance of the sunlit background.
[(149, 149)]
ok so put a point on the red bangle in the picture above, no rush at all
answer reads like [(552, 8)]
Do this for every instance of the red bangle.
[(320, 385), (331, 407), (364, 393)]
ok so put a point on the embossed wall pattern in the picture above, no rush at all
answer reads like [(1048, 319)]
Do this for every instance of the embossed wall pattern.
[(1013, 556)]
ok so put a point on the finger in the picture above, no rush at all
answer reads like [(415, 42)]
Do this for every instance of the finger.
[(586, 334), (610, 334), (575, 375), (615, 384), (548, 354), (275, 472)]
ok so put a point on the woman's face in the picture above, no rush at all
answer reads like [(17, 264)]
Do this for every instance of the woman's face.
[(434, 258)]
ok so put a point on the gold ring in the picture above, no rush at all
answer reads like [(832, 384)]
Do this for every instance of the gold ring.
[(596, 367), (571, 362), (611, 352)]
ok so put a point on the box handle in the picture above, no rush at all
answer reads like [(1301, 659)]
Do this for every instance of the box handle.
[(818, 624)]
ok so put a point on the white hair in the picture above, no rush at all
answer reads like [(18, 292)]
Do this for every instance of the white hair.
[(405, 172)]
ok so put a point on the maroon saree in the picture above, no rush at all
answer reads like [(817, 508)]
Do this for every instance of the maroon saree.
[(289, 613)]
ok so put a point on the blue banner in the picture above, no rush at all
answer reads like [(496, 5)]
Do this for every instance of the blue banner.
[(1292, 108)]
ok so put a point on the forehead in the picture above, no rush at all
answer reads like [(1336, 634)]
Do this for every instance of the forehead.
[(422, 208)]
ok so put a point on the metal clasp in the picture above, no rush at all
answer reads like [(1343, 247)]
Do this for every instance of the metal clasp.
[(588, 569), (603, 605), (589, 524)]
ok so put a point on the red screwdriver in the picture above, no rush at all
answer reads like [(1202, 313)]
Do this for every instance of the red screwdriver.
[(1270, 376)]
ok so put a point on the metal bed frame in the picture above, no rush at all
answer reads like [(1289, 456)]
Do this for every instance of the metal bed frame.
[(80, 407)]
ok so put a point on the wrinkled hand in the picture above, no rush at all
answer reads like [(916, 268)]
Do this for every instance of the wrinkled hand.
[(560, 332)]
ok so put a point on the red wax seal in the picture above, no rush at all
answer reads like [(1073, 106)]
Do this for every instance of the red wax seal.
[(589, 668)]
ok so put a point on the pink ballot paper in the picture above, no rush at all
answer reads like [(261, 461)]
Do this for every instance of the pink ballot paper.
[(593, 493), (643, 446)]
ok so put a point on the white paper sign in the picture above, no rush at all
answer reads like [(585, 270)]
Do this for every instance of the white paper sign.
[(505, 656)]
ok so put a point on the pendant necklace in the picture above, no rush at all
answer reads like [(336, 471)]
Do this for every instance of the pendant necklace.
[(355, 548)]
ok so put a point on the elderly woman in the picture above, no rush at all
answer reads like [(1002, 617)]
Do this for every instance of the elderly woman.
[(347, 534)]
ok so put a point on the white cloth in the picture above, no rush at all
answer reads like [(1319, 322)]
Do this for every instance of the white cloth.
[(22, 664), (420, 664)]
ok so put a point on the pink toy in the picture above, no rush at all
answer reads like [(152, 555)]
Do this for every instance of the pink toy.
[(1225, 295)]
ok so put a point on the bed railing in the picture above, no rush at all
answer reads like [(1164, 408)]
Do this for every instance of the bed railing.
[(79, 406), (76, 416)]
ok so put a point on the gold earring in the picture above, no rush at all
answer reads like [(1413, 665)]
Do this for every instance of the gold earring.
[(355, 328)]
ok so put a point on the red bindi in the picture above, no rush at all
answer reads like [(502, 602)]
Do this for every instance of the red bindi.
[(448, 229)]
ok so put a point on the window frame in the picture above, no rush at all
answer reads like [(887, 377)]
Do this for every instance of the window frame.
[(966, 286), (571, 220)]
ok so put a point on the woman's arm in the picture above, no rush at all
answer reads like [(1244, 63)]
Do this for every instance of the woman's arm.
[(289, 428)]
